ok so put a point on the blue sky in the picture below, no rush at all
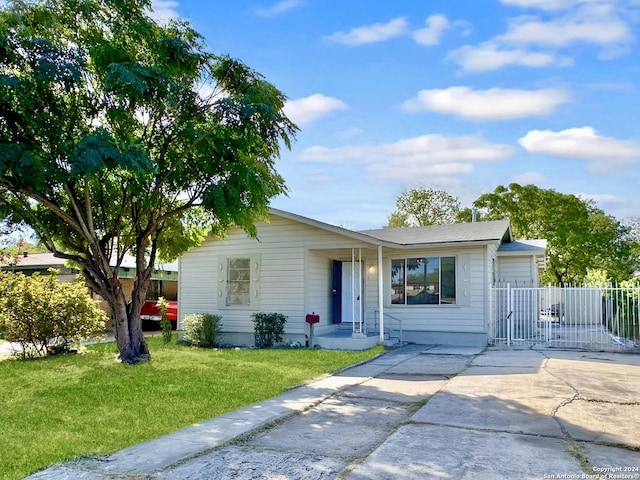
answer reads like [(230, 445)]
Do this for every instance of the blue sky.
[(462, 96)]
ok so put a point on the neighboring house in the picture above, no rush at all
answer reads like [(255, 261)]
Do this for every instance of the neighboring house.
[(430, 282), (164, 280), (30, 263)]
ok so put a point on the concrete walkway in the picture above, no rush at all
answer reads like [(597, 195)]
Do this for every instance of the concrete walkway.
[(417, 412)]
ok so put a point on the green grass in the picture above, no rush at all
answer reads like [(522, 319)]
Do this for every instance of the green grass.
[(52, 409)]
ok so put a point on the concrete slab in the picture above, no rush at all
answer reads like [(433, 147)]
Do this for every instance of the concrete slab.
[(510, 358), (153, 455), (431, 365), (430, 452), (616, 461), (486, 413), (365, 371), (398, 388), (480, 398), (512, 383), (380, 364), (339, 427), (602, 422), (453, 350), (397, 355), (595, 379), (597, 357), (69, 472), (249, 464)]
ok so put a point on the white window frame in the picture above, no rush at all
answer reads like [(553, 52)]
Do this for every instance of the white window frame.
[(253, 282), (405, 303)]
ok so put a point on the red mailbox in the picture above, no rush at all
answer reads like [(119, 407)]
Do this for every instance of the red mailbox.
[(312, 318)]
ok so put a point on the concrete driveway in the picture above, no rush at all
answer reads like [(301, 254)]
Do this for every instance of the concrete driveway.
[(417, 412)]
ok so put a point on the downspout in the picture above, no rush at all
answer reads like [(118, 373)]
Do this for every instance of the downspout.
[(381, 293)]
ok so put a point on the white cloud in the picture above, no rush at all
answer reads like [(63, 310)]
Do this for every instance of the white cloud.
[(492, 104), (418, 157), (278, 8), (491, 56), (378, 32), (547, 40), (164, 10), (602, 199), (549, 5), (604, 154), (430, 35), (304, 111), (567, 31), (529, 178)]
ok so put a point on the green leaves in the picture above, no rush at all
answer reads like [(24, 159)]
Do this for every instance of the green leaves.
[(420, 207), (134, 82), (52, 63), (581, 237), (38, 311), (92, 154), (21, 165), (98, 152), (106, 142), (268, 328)]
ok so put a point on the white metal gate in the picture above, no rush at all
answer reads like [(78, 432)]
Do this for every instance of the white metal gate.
[(591, 318)]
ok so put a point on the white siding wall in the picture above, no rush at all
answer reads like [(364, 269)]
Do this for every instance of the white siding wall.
[(318, 298), (492, 264), (468, 316), (294, 276), (370, 304), (518, 271)]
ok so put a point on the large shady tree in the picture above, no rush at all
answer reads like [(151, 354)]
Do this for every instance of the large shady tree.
[(120, 135), (581, 237)]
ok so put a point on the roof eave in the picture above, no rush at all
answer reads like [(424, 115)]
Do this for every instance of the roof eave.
[(386, 243), (467, 243), (539, 252), (331, 228)]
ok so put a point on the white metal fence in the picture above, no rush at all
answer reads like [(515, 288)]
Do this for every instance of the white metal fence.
[(590, 318)]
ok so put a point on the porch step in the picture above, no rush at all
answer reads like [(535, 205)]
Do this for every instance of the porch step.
[(391, 341), (344, 341)]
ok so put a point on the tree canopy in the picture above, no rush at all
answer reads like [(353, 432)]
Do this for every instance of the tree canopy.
[(580, 236), (120, 135), (419, 207)]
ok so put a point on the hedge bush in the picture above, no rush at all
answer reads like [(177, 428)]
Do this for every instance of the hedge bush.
[(268, 328), (44, 315), (202, 329)]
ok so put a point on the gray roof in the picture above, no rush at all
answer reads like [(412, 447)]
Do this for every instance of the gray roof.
[(39, 260), (523, 246), (47, 260), (496, 231), (479, 233)]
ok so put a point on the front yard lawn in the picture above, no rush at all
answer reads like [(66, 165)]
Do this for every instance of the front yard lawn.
[(56, 408)]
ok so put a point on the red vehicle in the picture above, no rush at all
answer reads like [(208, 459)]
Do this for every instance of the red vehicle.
[(151, 313)]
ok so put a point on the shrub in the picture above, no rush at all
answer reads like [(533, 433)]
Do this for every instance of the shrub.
[(44, 315), (165, 324), (202, 329), (268, 328)]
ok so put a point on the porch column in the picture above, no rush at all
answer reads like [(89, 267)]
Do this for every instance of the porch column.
[(381, 293)]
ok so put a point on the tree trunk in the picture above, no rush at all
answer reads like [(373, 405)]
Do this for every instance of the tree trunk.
[(127, 326)]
